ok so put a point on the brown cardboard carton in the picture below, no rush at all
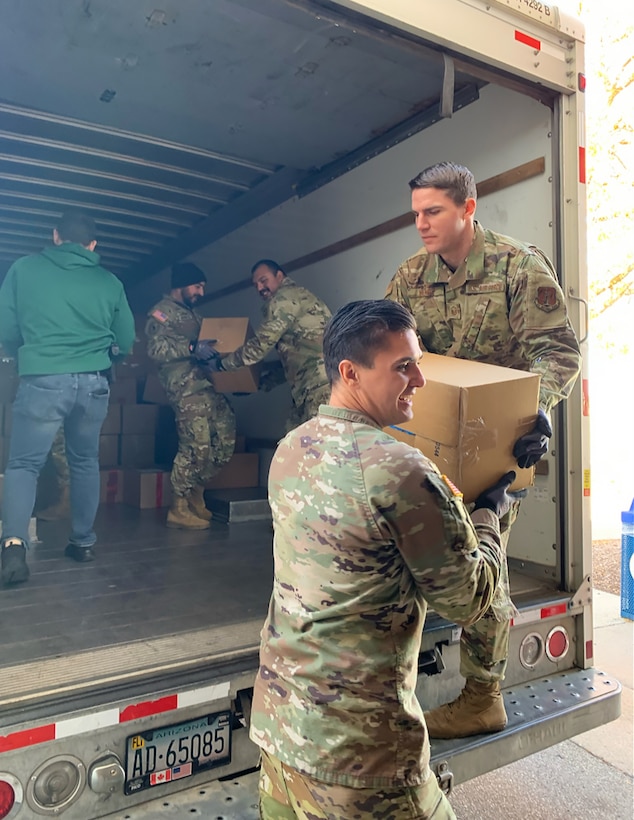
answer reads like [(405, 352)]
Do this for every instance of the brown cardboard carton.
[(137, 450), (147, 489), (467, 419), (111, 486), (123, 391), (112, 424), (108, 451), (153, 392), (240, 471), (230, 334), (139, 419)]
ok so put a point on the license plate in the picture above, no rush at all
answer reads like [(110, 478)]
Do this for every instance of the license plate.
[(172, 752)]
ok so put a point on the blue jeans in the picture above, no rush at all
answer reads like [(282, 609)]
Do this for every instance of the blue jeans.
[(79, 401)]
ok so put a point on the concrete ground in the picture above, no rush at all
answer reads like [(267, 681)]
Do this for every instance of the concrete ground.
[(588, 778)]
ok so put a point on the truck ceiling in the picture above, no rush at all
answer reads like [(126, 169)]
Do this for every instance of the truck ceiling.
[(174, 124)]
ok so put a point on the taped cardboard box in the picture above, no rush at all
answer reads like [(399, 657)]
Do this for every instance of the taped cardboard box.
[(147, 489), (110, 486), (467, 419), (112, 424), (229, 335), (123, 391), (153, 392)]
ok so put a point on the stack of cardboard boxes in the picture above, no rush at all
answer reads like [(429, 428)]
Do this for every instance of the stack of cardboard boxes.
[(138, 440)]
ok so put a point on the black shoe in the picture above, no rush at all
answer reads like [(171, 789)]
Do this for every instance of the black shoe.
[(81, 554), (14, 566)]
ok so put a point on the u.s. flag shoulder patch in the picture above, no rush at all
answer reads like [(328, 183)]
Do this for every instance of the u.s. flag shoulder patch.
[(158, 314), (454, 490)]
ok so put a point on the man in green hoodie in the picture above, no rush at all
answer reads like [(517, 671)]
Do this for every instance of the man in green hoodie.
[(61, 315)]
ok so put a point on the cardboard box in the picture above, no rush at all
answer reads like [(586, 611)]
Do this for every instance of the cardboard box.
[(240, 471), (137, 450), (112, 424), (153, 392), (230, 334), (467, 419), (147, 489), (111, 486), (139, 419), (108, 451), (123, 391)]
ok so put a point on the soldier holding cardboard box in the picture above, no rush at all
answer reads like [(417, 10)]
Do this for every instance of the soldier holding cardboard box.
[(294, 322), (204, 419), (478, 295)]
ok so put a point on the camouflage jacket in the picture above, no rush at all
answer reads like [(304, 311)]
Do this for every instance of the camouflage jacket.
[(367, 534), (170, 329), (294, 321), (503, 306)]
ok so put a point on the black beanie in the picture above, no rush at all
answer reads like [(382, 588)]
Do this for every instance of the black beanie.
[(186, 273)]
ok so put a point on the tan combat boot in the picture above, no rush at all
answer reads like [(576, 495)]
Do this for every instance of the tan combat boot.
[(196, 501), (478, 710), (61, 508), (180, 517)]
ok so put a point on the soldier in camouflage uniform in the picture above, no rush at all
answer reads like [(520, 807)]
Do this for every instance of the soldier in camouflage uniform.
[(204, 419), (367, 534), (294, 321), (57, 455), (476, 294)]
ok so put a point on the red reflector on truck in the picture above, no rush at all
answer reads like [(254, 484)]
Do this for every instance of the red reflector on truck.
[(28, 737), (557, 609), (149, 707), (528, 40)]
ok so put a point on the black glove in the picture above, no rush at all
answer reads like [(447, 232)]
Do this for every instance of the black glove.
[(204, 350), (212, 365), (530, 447), (497, 498)]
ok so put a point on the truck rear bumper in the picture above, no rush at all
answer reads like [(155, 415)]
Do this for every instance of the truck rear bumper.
[(540, 714)]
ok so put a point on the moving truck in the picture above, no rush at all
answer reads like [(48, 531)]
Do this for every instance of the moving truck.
[(223, 131)]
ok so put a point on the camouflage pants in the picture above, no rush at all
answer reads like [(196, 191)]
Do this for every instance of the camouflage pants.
[(285, 794), (484, 646), (308, 408), (206, 428), (58, 457)]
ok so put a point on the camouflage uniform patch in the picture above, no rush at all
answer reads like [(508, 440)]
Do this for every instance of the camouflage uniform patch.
[(204, 419), (294, 322), (367, 535), (504, 306), (58, 457)]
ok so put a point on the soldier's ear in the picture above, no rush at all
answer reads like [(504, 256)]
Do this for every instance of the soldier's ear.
[(470, 206), (348, 373)]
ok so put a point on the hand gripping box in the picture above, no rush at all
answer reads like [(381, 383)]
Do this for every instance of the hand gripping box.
[(467, 419), (230, 334)]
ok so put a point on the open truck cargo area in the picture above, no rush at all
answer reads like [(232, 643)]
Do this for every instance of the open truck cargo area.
[(223, 131)]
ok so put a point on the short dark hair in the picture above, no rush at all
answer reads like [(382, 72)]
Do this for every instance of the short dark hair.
[(271, 264), (76, 226), (456, 180), (358, 330)]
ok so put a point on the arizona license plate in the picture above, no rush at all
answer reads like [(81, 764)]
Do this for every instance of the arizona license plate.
[(161, 755)]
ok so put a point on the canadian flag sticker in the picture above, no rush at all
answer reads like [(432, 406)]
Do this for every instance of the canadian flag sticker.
[(160, 777)]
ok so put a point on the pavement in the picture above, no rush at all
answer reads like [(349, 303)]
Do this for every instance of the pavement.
[(590, 777)]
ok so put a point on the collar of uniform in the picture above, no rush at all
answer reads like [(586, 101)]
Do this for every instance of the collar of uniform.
[(345, 414), (437, 273)]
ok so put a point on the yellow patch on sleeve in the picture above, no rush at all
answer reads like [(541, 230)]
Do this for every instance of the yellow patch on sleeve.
[(452, 487)]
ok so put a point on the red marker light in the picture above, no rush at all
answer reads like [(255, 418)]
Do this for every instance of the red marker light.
[(7, 798), (581, 81)]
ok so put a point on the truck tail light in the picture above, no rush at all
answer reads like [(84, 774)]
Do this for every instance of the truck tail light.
[(557, 643), (11, 796), (7, 798)]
